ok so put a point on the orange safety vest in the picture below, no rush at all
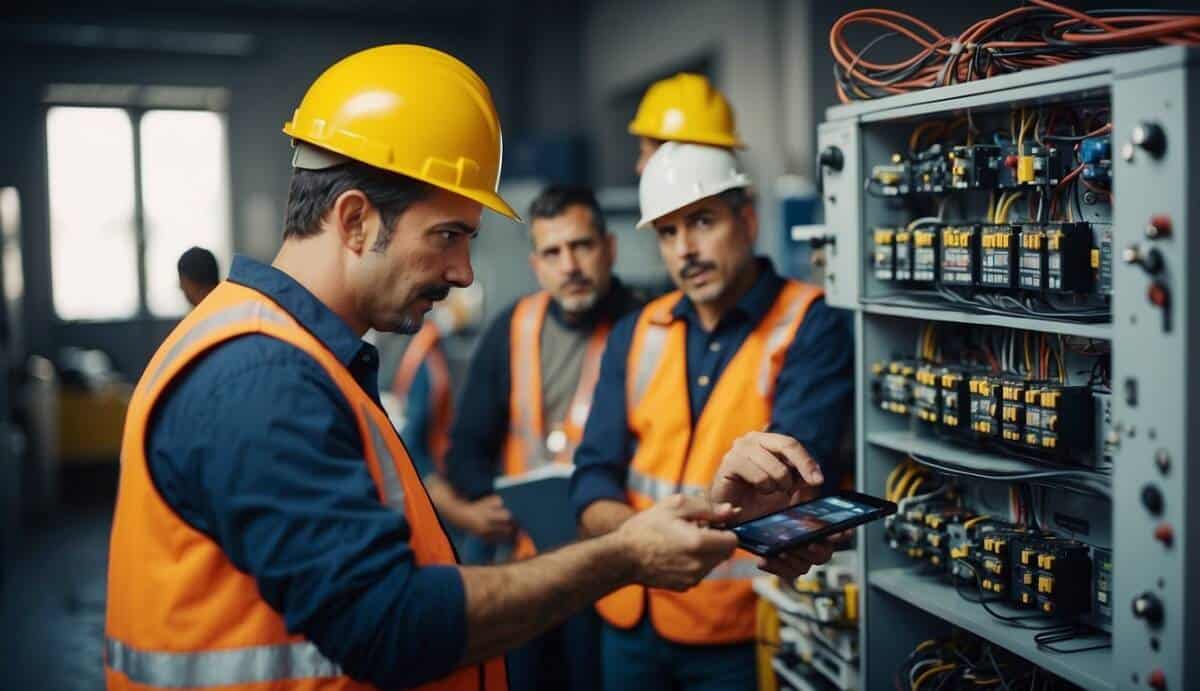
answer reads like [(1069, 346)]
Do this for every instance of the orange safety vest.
[(425, 347), (180, 614), (528, 445), (676, 457)]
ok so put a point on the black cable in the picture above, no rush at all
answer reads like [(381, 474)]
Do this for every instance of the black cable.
[(1014, 621), (1046, 639)]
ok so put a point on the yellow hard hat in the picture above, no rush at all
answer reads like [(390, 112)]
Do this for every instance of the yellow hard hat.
[(410, 110), (686, 108)]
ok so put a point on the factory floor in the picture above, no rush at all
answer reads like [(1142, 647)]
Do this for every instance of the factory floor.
[(52, 593)]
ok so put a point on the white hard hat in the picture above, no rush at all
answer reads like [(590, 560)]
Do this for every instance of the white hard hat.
[(679, 174)]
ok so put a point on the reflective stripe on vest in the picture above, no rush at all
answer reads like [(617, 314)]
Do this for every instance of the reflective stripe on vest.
[(393, 490), (227, 317), (656, 490), (287, 661)]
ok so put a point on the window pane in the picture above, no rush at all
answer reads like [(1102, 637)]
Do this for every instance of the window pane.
[(93, 254), (185, 198)]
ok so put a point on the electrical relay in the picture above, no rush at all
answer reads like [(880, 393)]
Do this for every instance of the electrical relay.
[(1052, 575), (955, 399), (885, 254), (925, 255), (904, 255), (1056, 257), (893, 386), (985, 405), (926, 402), (1012, 409), (1059, 418), (998, 257), (974, 166), (960, 255)]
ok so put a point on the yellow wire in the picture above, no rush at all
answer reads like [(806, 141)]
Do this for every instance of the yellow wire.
[(1005, 198), (1002, 214), (925, 644), (915, 137), (912, 491), (1028, 362), (902, 486), (891, 479), (932, 671), (973, 521)]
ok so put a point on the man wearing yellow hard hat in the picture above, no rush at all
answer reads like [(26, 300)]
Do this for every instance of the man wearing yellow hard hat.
[(271, 531), (683, 108)]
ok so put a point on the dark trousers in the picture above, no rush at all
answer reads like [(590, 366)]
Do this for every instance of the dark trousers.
[(639, 659), (566, 658)]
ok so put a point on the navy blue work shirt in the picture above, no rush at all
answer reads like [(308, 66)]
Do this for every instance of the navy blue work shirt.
[(256, 447), (812, 394)]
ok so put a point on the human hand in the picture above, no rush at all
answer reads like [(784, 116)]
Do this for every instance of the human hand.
[(764, 472), (669, 545), (488, 520), (794, 563)]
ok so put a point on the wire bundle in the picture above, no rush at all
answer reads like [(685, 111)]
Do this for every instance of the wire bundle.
[(1037, 34)]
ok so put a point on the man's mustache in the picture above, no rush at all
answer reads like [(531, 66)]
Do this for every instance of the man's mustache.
[(693, 267), (435, 293), (577, 280)]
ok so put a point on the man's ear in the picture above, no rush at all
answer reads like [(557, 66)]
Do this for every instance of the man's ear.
[(349, 217)]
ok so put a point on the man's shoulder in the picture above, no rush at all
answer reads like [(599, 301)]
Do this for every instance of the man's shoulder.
[(220, 373)]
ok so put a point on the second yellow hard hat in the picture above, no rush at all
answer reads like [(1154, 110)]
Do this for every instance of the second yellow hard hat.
[(411, 110), (686, 108)]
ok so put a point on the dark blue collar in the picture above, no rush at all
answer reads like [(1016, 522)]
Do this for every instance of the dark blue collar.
[(312, 314), (753, 306)]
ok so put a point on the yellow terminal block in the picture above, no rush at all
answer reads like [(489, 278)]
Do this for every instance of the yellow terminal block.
[(1048, 607), (997, 586), (1025, 172), (1048, 562), (959, 553), (988, 544), (935, 560), (1049, 442), (884, 236), (1027, 579), (1026, 599), (897, 158), (1095, 257), (1027, 554)]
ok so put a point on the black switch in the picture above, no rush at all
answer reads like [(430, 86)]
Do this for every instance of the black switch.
[(1148, 607), (1131, 394), (1152, 499)]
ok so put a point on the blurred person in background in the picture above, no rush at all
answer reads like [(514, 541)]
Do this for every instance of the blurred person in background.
[(683, 108), (197, 274), (531, 379)]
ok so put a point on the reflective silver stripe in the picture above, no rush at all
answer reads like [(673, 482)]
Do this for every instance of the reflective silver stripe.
[(522, 424), (393, 489), (219, 667), (775, 338), (202, 329), (657, 489), (653, 344), (734, 570)]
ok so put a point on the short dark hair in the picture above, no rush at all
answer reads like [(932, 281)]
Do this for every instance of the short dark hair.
[(556, 199), (312, 192), (199, 266), (736, 198)]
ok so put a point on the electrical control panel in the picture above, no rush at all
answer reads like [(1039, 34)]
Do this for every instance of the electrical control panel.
[(1027, 378)]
